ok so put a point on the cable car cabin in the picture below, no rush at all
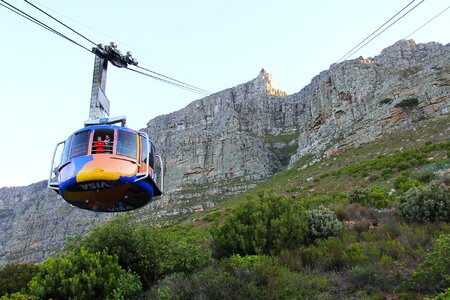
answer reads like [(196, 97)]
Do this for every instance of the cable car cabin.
[(93, 173)]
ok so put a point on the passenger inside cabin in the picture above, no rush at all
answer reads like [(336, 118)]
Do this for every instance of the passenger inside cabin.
[(108, 144), (99, 145)]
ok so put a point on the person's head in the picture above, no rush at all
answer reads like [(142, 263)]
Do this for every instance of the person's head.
[(99, 138), (107, 137)]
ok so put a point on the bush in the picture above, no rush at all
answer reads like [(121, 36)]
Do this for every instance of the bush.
[(426, 177), (366, 277), (326, 254), (403, 183), (379, 198), (442, 296), (393, 248), (386, 101), (323, 223), (84, 275), (14, 277), (18, 296), (117, 237), (376, 197), (262, 226), (408, 103), (433, 274), (358, 195), (422, 204), (150, 252), (163, 252), (355, 254), (248, 277)]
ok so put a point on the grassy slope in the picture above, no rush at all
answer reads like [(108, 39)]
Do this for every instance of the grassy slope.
[(316, 179), (392, 252)]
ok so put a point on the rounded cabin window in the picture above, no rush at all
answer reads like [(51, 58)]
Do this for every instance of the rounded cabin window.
[(126, 143), (144, 151), (65, 153), (80, 144)]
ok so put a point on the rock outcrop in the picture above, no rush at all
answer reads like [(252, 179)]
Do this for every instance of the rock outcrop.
[(247, 133), (229, 141), (358, 100), (35, 222)]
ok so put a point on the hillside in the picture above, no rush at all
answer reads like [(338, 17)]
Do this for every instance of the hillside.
[(231, 141), (363, 246)]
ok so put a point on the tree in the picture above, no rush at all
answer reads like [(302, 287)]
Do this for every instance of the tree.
[(262, 226), (425, 204), (433, 274), (323, 223), (84, 275), (14, 277), (150, 252)]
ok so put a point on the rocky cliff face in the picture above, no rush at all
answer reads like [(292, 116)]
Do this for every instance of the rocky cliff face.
[(245, 134), (228, 137), (356, 101), (35, 222), (229, 141)]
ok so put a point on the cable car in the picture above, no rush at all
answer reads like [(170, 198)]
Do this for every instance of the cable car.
[(120, 175)]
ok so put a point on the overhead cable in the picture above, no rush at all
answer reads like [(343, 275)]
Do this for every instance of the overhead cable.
[(401, 17), (162, 78), (183, 83), (60, 22), (427, 22), (194, 90), (36, 21)]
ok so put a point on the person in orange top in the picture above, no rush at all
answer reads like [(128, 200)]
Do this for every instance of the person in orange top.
[(99, 145)]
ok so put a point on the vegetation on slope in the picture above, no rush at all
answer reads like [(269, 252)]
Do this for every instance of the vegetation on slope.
[(372, 222)]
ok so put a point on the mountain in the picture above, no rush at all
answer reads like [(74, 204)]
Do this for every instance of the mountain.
[(228, 142)]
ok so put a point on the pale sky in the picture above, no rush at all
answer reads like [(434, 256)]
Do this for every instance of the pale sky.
[(215, 45)]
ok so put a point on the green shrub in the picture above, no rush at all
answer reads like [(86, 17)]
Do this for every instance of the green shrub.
[(367, 277), (389, 164), (164, 252), (358, 195), (403, 165), (379, 198), (84, 275), (150, 252), (326, 254), (425, 204), (262, 226), (128, 286), (355, 254), (442, 296), (426, 177), (18, 296), (393, 248), (376, 196), (386, 262), (248, 277), (408, 103), (433, 274), (14, 277), (403, 183), (117, 237), (323, 223), (386, 101), (316, 200), (211, 217)]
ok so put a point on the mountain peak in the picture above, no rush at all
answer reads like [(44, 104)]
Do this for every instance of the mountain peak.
[(264, 83)]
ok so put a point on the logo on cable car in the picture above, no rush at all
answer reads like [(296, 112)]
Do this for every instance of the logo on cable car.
[(94, 186)]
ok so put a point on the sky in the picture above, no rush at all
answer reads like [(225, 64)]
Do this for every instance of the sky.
[(45, 80)]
